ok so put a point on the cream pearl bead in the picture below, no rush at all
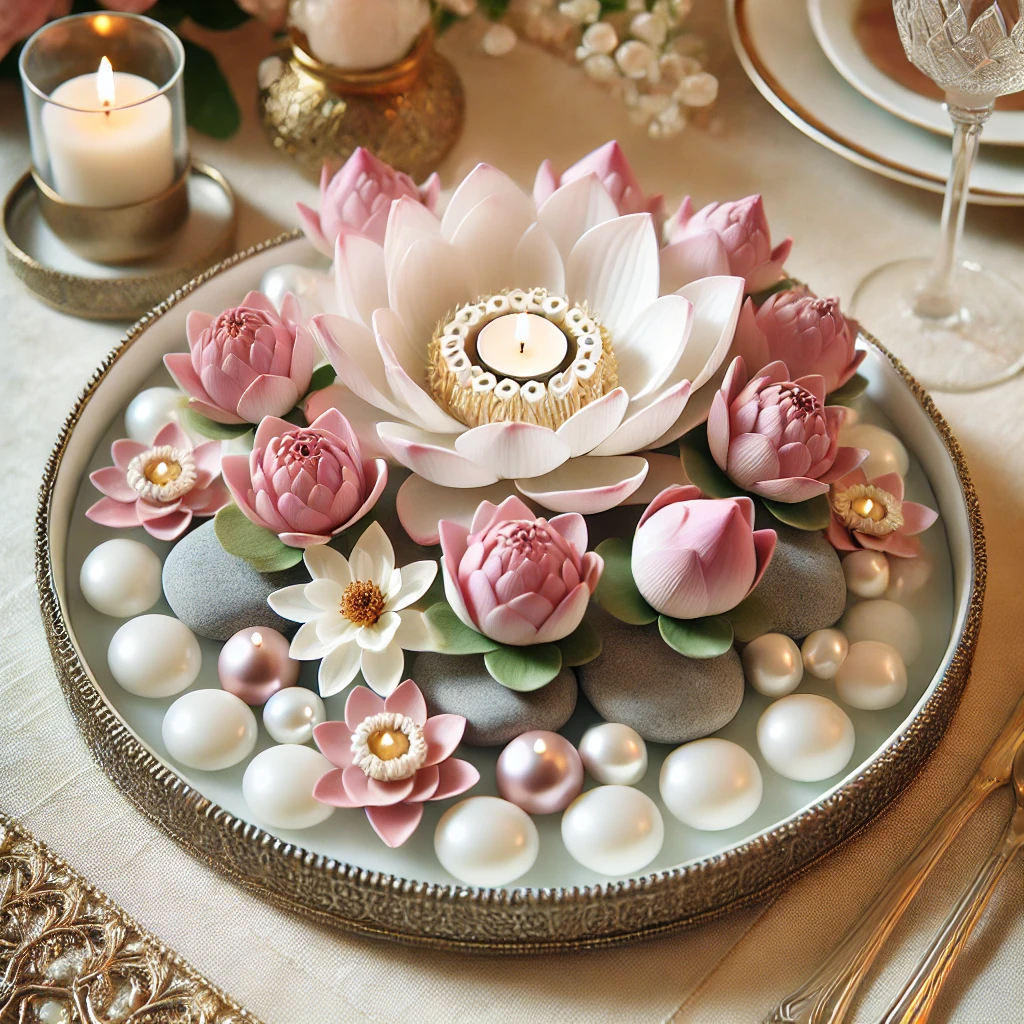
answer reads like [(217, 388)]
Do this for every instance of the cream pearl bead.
[(613, 830), (872, 677), (886, 452), (486, 841), (151, 410), (886, 621), (614, 754), (908, 575), (121, 578), (772, 664), (154, 656), (823, 651), (209, 730), (806, 737), (278, 786), (710, 784), (291, 714), (867, 573)]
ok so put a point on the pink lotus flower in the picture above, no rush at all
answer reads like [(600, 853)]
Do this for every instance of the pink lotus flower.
[(159, 487), (20, 18), (306, 484), (695, 556), (516, 578), (245, 364), (872, 514), (811, 335), (610, 165), (358, 199), (390, 758), (775, 436), (727, 238)]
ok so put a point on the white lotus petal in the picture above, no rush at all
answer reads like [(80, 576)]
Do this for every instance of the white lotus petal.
[(352, 351), (434, 456), (325, 563), (696, 410), (382, 670), (359, 278), (373, 557), (414, 633), (421, 505), (614, 269), (481, 183), (663, 471), (716, 309), (586, 429), (380, 634), (408, 221), (338, 669), (488, 237), (700, 255), (415, 582), (362, 416), (587, 485), (514, 449), (574, 209), (650, 347), (291, 603), (538, 263), (431, 280), (646, 423)]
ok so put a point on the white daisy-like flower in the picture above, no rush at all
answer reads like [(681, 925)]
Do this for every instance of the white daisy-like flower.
[(355, 613)]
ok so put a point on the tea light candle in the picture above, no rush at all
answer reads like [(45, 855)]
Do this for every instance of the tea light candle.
[(523, 346), (109, 139)]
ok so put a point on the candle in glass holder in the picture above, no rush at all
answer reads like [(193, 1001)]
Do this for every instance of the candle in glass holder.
[(522, 346)]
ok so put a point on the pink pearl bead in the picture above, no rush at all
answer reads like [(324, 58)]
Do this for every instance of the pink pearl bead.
[(254, 665), (541, 772)]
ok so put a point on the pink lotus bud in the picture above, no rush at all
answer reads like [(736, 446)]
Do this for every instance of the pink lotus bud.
[(695, 556), (358, 198), (811, 335), (516, 578)]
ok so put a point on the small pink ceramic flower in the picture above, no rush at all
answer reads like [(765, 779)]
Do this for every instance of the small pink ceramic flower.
[(358, 199), (390, 758), (744, 241), (159, 487), (518, 579), (695, 556), (247, 363), (872, 514), (811, 335), (775, 436), (609, 163), (306, 484)]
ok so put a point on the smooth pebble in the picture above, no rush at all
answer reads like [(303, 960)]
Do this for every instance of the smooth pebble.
[(121, 578)]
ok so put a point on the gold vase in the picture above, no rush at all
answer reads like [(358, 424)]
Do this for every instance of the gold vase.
[(408, 114)]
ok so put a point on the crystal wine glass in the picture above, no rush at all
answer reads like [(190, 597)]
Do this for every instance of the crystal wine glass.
[(957, 326)]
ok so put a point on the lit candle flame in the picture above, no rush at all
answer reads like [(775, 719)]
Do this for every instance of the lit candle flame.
[(522, 330), (257, 639), (105, 83)]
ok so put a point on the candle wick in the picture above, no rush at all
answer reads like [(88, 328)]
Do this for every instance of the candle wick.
[(522, 347)]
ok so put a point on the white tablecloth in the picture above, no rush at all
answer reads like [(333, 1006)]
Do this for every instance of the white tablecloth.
[(523, 108)]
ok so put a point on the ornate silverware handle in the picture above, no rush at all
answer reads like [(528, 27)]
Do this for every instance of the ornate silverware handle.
[(829, 992)]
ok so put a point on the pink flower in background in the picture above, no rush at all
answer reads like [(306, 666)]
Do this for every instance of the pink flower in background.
[(811, 335), (272, 12), (516, 578), (129, 6), (390, 758), (306, 484), (358, 198), (159, 487), (247, 363), (775, 436), (20, 18), (872, 514), (695, 556)]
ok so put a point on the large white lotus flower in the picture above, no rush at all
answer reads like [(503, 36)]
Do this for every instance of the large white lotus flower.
[(492, 238)]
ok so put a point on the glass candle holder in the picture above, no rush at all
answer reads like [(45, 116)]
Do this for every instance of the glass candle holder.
[(105, 104)]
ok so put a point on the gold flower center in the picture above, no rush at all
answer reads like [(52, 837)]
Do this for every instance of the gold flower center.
[(162, 471), (387, 744), (868, 509), (362, 603)]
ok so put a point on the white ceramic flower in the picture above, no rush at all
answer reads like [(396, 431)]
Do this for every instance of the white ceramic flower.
[(355, 613), (491, 239)]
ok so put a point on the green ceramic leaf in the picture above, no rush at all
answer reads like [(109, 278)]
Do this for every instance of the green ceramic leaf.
[(524, 668), (259, 547), (616, 591), (453, 635), (212, 429), (849, 392), (697, 638), (323, 377), (210, 106), (766, 293), (702, 469), (812, 514), (580, 646)]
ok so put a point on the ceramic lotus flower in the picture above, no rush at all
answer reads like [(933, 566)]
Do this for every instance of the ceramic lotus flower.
[(775, 436), (873, 514), (810, 335), (306, 484), (724, 238), (246, 363), (390, 757), (161, 486), (518, 579), (358, 198), (491, 241), (695, 556)]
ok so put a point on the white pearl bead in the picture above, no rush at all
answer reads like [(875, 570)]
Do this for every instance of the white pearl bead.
[(711, 784), (772, 664), (486, 841), (613, 830), (886, 451), (635, 58), (886, 621), (498, 40), (867, 573), (305, 284), (700, 90), (600, 38), (872, 677), (823, 651), (601, 68), (121, 578), (152, 409), (614, 754), (805, 737), (209, 730), (908, 575), (154, 656), (291, 714), (649, 28), (278, 786)]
